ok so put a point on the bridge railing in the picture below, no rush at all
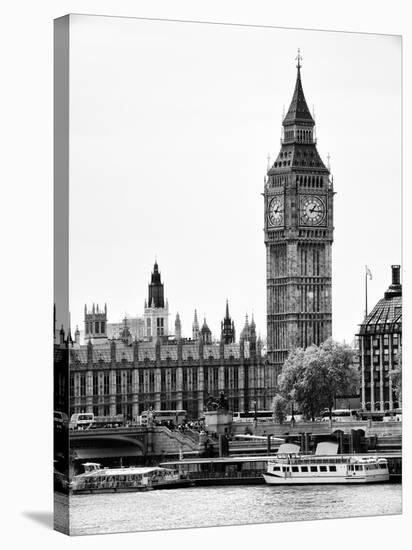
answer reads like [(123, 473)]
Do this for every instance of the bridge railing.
[(320, 427)]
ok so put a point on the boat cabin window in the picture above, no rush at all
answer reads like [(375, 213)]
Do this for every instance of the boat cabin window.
[(276, 468), (304, 469), (332, 468), (313, 468), (323, 468), (382, 466), (295, 469), (358, 467), (285, 468)]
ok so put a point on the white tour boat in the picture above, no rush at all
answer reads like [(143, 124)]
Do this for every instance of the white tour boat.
[(289, 467), (97, 479)]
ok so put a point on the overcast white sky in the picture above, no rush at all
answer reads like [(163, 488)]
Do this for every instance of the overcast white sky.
[(171, 124)]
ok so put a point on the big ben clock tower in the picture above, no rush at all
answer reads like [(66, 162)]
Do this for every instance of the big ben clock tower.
[(298, 236)]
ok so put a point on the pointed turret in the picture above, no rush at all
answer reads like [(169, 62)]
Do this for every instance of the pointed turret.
[(195, 328), (156, 290), (126, 335), (253, 327), (298, 111), (206, 333), (69, 332), (245, 334), (298, 152), (178, 327), (61, 334), (227, 335)]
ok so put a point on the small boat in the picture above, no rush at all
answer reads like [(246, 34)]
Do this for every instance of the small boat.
[(97, 479), (289, 467)]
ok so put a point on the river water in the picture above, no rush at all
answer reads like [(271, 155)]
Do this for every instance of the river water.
[(228, 505)]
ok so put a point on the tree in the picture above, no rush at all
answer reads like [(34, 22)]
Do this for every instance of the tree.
[(279, 407), (315, 377)]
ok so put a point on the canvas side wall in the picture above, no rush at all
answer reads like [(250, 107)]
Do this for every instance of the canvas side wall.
[(61, 321)]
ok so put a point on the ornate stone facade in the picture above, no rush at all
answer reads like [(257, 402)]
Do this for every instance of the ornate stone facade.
[(182, 374)]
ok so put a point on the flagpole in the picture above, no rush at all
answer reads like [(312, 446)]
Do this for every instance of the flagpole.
[(366, 292)]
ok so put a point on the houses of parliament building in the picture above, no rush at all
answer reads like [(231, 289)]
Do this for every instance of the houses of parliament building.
[(125, 375), (131, 370)]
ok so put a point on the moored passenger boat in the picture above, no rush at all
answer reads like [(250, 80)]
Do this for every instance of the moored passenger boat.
[(97, 479), (325, 466)]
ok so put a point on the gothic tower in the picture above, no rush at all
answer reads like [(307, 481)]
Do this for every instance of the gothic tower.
[(227, 326), (95, 323), (298, 198), (156, 311)]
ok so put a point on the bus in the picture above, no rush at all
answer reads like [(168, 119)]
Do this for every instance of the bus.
[(385, 416), (163, 417), (88, 421), (341, 415), (251, 415)]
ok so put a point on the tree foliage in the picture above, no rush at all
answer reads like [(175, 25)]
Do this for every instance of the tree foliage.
[(313, 378), (279, 407)]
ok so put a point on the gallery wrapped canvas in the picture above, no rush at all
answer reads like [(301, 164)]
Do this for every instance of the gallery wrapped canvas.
[(228, 297)]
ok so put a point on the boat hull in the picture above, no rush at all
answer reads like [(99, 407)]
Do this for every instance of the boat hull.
[(271, 479)]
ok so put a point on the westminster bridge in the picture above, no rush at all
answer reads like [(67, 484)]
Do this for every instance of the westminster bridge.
[(142, 444), (133, 443)]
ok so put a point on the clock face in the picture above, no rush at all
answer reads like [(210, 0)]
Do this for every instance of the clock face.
[(275, 214), (312, 210)]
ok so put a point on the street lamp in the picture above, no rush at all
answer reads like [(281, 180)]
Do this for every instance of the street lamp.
[(254, 404)]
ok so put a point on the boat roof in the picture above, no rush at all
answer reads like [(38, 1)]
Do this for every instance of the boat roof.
[(288, 448), (327, 448), (121, 471)]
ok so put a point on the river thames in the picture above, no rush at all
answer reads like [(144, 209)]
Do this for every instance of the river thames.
[(228, 505)]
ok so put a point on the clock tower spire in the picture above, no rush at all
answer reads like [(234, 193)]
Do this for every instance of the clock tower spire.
[(298, 198)]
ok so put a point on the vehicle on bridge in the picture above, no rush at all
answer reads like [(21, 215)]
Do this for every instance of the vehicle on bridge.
[(251, 416), (88, 421), (163, 417), (385, 416), (341, 415), (61, 420)]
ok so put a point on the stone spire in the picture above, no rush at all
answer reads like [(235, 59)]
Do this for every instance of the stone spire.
[(156, 289), (178, 327), (77, 335), (206, 333), (298, 110), (195, 328), (227, 335)]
